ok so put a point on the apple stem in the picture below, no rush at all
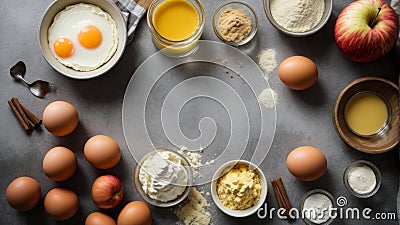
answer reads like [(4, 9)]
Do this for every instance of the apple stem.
[(372, 24)]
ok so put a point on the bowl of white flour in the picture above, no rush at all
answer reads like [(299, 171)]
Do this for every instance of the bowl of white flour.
[(316, 207), (298, 18), (163, 177)]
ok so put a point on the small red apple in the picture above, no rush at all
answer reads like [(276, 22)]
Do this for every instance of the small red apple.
[(107, 191), (366, 30)]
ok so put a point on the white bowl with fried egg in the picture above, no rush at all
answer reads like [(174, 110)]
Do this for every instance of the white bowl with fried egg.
[(82, 39)]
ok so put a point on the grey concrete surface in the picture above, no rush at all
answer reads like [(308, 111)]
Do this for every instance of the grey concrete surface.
[(303, 118)]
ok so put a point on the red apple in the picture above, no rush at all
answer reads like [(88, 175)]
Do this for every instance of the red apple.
[(366, 30), (107, 191)]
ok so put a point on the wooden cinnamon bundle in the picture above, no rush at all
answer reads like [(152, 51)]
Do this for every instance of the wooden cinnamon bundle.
[(26, 118), (281, 196)]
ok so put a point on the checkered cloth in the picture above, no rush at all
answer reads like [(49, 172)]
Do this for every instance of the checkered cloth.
[(396, 6), (132, 13)]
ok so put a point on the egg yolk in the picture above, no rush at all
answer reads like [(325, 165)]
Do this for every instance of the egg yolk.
[(63, 47), (90, 36)]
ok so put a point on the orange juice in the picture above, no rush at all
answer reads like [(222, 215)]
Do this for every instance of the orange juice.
[(176, 20), (366, 113)]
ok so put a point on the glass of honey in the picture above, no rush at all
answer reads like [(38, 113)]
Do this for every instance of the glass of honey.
[(176, 25), (367, 113)]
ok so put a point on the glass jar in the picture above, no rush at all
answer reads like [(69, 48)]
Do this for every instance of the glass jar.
[(176, 48)]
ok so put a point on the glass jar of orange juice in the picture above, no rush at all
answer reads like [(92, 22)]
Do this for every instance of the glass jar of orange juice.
[(176, 25)]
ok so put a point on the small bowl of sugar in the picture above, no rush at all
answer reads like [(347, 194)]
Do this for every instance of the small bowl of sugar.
[(235, 23), (362, 179), (296, 18)]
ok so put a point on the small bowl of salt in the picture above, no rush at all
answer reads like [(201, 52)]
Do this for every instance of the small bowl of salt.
[(298, 18), (362, 179), (316, 207)]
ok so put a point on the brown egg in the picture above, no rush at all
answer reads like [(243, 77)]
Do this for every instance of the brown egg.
[(60, 118), (99, 218), (135, 213), (306, 163), (102, 152), (59, 163), (23, 193), (61, 203), (298, 72)]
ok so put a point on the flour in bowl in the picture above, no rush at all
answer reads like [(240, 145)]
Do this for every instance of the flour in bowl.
[(297, 15)]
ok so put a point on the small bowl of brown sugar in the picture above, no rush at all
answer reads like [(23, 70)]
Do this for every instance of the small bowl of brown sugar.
[(235, 23)]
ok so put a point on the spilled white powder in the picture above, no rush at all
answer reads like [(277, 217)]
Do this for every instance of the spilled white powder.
[(297, 15), (268, 98), (194, 212), (194, 159), (267, 60)]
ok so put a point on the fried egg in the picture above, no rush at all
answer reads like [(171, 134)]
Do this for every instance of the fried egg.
[(83, 37)]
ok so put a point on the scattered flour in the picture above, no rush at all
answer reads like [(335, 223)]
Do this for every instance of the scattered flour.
[(194, 212), (194, 160), (193, 157), (268, 98), (267, 60)]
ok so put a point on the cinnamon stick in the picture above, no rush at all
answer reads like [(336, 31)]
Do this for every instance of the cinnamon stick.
[(27, 119), (32, 117), (20, 110), (17, 114), (281, 196)]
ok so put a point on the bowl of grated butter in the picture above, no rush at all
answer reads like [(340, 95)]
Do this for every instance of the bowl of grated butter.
[(163, 177), (298, 18), (239, 188)]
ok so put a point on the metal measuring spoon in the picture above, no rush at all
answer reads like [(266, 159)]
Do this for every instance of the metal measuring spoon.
[(38, 88)]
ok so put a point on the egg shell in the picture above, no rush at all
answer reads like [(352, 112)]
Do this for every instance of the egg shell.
[(60, 118), (298, 72), (99, 218), (61, 203), (307, 163), (135, 213), (102, 152), (59, 163), (23, 193)]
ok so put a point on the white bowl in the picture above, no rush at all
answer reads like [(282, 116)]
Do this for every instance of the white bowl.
[(238, 213), (319, 26), (47, 20)]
